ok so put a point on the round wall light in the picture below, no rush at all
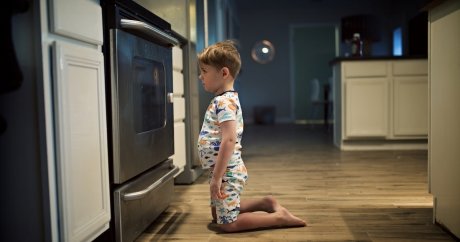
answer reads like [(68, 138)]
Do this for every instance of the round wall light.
[(263, 52)]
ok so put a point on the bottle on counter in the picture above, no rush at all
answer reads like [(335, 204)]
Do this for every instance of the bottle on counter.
[(356, 46)]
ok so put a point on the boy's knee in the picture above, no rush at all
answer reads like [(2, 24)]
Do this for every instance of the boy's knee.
[(228, 228)]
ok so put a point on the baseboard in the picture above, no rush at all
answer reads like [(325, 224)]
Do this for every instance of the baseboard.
[(188, 176), (447, 230)]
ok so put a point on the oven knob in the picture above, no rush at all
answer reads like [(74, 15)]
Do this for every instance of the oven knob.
[(170, 97)]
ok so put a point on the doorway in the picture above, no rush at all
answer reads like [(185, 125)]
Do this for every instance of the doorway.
[(312, 48)]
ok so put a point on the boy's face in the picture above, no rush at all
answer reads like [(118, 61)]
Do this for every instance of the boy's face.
[(211, 78)]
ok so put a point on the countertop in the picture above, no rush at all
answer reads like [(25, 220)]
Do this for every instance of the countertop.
[(364, 58)]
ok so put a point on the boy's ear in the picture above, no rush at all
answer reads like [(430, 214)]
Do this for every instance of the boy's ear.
[(225, 71)]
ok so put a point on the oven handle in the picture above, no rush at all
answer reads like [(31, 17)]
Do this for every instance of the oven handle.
[(148, 30), (153, 186), (170, 97)]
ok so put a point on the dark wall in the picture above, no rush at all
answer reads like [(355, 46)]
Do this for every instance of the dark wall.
[(24, 209), (417, 35), (270, 84)]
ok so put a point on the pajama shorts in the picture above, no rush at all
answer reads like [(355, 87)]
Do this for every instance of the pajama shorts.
[(233, 181)]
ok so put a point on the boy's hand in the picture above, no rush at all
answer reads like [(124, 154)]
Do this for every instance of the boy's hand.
[(227, 146), (216, 189)]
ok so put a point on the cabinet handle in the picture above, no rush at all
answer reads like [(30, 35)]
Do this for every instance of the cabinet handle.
[(149, 30), (153, 186)]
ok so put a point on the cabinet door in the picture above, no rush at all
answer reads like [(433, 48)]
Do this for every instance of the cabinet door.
[(81, 142), (410, 106), (78, 19), (366, 107)]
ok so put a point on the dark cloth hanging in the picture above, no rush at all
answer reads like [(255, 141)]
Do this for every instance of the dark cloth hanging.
[(11, 76)]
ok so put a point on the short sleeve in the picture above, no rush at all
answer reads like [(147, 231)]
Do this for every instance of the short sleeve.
[(226, 109)]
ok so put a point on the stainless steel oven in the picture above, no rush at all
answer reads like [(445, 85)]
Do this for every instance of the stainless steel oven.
[(142, 117), (141, 112)]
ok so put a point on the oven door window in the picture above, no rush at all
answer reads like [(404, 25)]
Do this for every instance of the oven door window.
[(149, 97)]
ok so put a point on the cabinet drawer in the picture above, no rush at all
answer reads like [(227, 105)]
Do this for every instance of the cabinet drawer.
[(79, 19), (365, 69), (410, 67), (179, 108), (179, 157), (178, 83), (140, 201), (177, 58)]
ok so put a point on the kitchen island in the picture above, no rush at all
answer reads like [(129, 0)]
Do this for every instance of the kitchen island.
[(380, 103)]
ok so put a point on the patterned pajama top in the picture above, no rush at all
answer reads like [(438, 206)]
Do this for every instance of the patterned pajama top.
[(223, 107)]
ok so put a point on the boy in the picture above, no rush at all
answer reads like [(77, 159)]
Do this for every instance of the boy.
[(219, 147)]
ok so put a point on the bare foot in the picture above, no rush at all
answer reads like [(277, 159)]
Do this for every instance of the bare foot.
[(271, 205), (289, 220)]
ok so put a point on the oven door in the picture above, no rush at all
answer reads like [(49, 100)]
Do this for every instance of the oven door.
[(141, 110)]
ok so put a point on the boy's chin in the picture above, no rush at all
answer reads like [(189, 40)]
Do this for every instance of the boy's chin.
[(207, 90)]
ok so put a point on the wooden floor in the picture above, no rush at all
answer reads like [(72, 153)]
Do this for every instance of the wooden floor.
[(343, 196)]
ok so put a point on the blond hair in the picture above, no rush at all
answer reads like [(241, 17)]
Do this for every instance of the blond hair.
[(220, 55)]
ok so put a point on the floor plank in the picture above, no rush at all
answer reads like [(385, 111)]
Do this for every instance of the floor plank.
[(344, 196)]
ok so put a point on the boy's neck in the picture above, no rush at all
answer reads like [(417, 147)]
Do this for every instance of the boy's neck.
[(225, 88)]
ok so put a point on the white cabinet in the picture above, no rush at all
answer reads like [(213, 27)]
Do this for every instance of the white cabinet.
[(180, 154), (366, 99), (410, 98), (444, 79), (381, 104), (366, 105), (74, 86), (81, 142)]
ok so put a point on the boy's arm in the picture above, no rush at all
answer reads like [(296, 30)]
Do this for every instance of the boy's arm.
[(227, 146)]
